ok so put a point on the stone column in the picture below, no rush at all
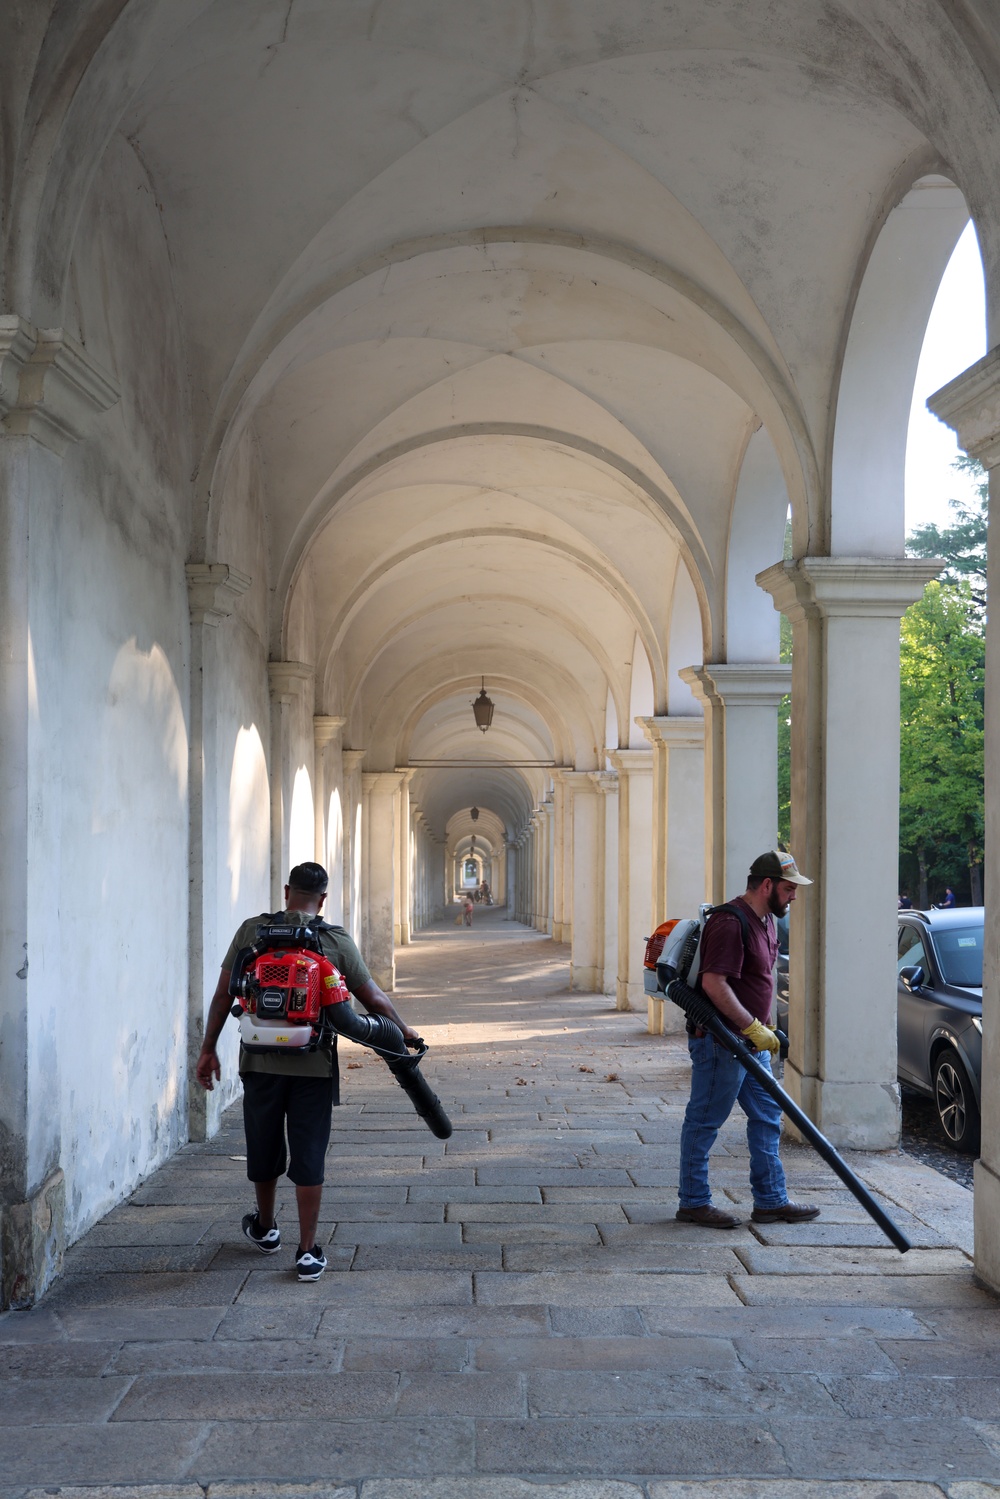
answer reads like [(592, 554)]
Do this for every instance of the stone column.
[(679, 877), (971, 406), (289, 683), (213, 590), (741, 765), (381, 852), (606, 785), (50, 390), (352, 760), (327, 778), (548, 890), (404, 861), (585, 864), (845, 614), (635, 856)]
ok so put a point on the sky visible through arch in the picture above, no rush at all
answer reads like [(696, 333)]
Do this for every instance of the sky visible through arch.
[(955, 338)]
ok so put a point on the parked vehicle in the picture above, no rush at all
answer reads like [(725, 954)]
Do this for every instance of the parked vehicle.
[(939, 1012)]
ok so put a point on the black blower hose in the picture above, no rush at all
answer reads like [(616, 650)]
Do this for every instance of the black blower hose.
[(385, 1038)]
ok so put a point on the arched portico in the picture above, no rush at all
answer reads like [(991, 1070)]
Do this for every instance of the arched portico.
[(346, 366)]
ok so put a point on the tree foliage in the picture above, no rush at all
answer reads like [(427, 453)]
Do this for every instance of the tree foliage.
[(962, 545), (942, 668)]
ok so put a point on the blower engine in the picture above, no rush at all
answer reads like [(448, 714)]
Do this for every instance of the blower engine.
[(288, 994)]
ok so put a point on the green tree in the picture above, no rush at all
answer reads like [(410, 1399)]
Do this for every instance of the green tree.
[(962, 545), (942, 666)]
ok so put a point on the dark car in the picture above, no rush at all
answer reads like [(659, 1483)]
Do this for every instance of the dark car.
[(939, 961), (939, 1012)]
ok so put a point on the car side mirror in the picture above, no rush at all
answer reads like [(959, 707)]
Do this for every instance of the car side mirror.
[(912, 977)]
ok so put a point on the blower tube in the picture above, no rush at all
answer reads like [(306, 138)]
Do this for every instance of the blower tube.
[(701, 1013), (384, 1036)]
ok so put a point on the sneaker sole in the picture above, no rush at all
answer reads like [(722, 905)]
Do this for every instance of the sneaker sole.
[(261, 1248), (311, 1274)]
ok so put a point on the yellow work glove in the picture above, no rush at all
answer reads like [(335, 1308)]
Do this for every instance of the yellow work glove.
[(762, 1039)]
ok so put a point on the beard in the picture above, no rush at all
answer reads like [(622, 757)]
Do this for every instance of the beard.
[(776, 905)]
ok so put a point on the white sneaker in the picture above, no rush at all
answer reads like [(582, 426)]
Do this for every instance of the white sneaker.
[(310, 1263), (268, 1241)]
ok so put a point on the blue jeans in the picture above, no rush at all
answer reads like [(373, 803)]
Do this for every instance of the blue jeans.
[(717, 1082)]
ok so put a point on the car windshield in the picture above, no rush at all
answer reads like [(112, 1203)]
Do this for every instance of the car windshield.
[(960, 955)]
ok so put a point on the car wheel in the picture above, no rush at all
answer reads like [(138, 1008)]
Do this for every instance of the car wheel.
[(956, 1102)]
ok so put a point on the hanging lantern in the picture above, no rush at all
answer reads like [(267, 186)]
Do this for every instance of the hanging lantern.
[(474, 814), (483, 709)]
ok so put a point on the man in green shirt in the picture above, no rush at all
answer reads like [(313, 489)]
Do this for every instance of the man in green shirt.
[(292, 1092)]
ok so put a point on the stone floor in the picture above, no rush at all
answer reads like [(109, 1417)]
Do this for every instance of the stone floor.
[(512, 1314)]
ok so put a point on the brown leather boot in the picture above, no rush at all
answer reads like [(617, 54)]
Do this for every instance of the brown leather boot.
[(708, 1217)]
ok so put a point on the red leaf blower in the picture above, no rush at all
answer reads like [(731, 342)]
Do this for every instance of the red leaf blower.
[(288, 995)]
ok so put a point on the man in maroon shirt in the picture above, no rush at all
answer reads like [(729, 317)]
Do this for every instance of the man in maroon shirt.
[(737, 975)]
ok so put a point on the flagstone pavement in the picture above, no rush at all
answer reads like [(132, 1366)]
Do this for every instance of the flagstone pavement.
[(513, 1313)]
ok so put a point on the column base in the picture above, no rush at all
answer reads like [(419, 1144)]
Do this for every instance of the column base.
[(986, 1220), (33, 1240), (629, 996), (585, 980), (853, 1116)]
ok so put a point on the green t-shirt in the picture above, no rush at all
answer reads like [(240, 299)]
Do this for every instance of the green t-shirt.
[(342, 952)]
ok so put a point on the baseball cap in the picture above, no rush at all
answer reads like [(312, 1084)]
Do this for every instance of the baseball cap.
[(775, 865), (311, 879)]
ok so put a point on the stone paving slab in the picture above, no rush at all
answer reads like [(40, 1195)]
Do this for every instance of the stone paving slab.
[(459, 1211), (898, 1448), (873, 1290), (371, 1287), (669, 1259), (798, 1488), (270, 1322), (470, 1393), (283, 1354), (467, 1257), (606, 1353), (270, 1396), (496, 1488), (862, 1261), (58, 1399), (48, 1361), (780, 1321), (143, 1323), (119, 1290), (433, 1321), (872, 1398), (104, 1453), (418, 1355), (833, 1355), (620, 1446), (614, 1289), (340, 1449), (675, 1393)]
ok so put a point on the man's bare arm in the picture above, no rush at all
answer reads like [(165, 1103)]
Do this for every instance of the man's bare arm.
[(718, 989), (207, 1066)]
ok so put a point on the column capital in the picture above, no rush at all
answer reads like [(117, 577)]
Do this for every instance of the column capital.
[(50, 387), (970, 406), (632, 761), (578, 780), (213, 588), (742, 684), (286, 679), (848, 587), (326, 727), (381, 782), (605, 781), (676, 733), (405, 773), (353, 759)]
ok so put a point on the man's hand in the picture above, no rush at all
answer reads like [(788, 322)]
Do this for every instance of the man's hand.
[(761, 1038), (410, 1036), (208, 1068)]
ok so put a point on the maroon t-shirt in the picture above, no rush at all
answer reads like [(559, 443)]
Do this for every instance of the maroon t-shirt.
[(749, 968)]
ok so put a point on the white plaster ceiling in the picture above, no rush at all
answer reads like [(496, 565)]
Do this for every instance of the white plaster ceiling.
[(501, 289)]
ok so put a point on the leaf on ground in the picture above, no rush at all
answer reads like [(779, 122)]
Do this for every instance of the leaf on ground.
[(612, 1077), (354, 1064), (586, 1069)]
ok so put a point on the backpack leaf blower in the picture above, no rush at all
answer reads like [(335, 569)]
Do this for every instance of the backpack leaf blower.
[(702, 1013), (288, 995)]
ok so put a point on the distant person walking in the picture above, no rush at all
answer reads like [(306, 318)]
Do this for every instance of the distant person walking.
[(949, 899), (469, 908)]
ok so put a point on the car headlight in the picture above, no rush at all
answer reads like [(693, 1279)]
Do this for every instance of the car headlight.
[(978, 1024)]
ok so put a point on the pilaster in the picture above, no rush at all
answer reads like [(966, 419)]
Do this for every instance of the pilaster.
[(329, 837), (635, 856), (51, 390), (605, 783), (214, 590), (289, 682), (378, 893), (352, 761), (971, 407), (845, 614), (584, 862)]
